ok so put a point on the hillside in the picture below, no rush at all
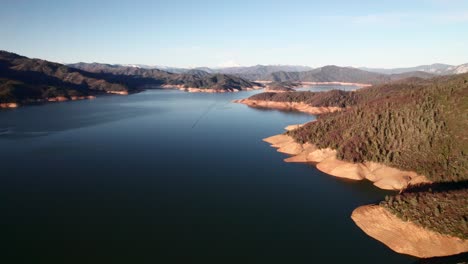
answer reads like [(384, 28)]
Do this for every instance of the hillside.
[(342, 74), (252, 73), (412, 125), (281, 87), (441, 208), (436, 68), (153, 78), (214, 82), (335, 98), (132, 76), (24, 80), (261, 72), (417, 126)]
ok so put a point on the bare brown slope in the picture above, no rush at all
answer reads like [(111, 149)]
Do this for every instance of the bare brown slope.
[(405, 237)]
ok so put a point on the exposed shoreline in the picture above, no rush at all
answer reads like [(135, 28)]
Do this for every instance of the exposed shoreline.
[(9, 105), (306, 84), (201, 90), (382, 176), (325, 160), (47, 100), (118, 92), (405, 237), (377, 222), (12, 105), (288, 106)]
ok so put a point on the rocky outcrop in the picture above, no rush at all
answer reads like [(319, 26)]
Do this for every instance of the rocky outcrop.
[(405, 237)]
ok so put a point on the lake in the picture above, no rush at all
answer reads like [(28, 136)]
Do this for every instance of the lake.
[(165, 176)]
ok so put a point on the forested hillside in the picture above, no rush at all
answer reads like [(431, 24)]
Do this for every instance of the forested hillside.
[(417, 125)]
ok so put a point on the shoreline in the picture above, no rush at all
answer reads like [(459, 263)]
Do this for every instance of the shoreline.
[(405, 237), (376, 221), (325, 160), (306, 84), (337, 83), (117, 92), (288, 106), (47, 100), (201, 90), (8, 105)]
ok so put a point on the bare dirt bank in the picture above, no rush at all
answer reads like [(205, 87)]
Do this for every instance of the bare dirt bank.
[(336, 83), (405, 237), (9, 105), (289, 106), (118, 92), (382, 176), (73, 98), (50, 99), (306, 84), (201, 90)]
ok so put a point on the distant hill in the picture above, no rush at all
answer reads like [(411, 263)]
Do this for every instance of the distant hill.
[(132, 76), (197, 73), (214, 82), (437, 68), (150, 78), (252, 73), (281, 87), (342, 74), (25, 80), (261, 72), (276, 73), (282, 73), (458, 69)]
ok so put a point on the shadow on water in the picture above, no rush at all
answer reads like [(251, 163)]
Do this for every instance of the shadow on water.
[(456, 259)]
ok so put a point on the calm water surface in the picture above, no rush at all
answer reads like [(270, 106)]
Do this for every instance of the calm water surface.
[(164, 176)]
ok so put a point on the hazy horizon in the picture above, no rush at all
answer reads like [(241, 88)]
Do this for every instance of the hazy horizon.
[(212, 34)]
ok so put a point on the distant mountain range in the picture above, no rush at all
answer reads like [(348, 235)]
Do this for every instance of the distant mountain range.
[(276, 73), (152, 78), (264, 72), (437, 68), (343, 74), (24, 80), (254, 73)]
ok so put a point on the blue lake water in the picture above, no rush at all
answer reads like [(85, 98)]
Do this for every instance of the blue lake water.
[(166, 176)]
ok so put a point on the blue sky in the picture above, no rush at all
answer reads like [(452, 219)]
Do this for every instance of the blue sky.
[(213, 33)]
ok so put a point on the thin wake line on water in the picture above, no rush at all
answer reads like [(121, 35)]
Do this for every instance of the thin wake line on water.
[(203, 114)]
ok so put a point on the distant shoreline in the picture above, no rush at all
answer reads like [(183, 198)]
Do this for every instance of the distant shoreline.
[(295, 106), (306, 84), (208, 90)]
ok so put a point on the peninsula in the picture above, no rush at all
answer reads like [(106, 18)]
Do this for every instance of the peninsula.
[(401, 135)]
